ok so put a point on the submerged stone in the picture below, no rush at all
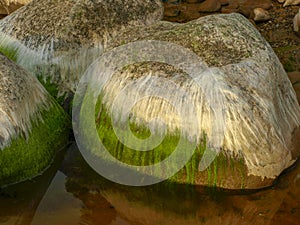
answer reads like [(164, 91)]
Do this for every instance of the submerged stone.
[(33, 127), (245, 109), (59, 39)]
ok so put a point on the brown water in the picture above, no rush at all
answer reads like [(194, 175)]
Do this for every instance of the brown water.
[(71, 193)]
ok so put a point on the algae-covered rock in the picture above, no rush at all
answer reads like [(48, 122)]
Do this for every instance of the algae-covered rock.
[(244, 109), (32, 125), (59, 39)]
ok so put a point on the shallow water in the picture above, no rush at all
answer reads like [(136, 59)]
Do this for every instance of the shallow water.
[(69, 192)]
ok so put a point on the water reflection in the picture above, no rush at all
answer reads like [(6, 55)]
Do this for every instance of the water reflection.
[(77, 195), (57, 205)]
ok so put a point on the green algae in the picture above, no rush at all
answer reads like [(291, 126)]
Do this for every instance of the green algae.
[(52, 89), (214, 176), (9, 52), (220, 173), (130, 156), (26, 158)]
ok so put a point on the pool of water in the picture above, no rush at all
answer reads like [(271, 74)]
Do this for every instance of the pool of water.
[(70, 192)]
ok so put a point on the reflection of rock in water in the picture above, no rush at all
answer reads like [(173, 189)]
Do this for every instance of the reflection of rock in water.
[(58, 206), (59, 39), (19, 202), (179, 204)]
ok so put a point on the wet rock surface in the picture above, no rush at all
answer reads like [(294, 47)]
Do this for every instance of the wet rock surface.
[(232, 46), (19, 103), (66, 31), (28, 137)]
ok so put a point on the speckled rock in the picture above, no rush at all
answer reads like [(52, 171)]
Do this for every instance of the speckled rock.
[(59, 39), (32, 125), (261, 111)]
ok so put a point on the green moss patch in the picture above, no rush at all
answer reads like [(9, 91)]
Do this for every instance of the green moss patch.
[(9, 52), (52, 89), (24, 159), (220, 172)]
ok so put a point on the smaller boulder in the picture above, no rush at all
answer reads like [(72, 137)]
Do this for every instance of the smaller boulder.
[(32, 125)]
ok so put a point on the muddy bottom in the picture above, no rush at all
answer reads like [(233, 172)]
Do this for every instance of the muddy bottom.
[(70, 192)]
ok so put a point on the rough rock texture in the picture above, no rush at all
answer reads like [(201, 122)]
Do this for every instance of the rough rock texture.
[(24, 108), (8, 6), (260, 105), (66, 35)]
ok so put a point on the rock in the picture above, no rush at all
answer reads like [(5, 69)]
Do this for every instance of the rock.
[(59, 39), (210, 6), (32, 126), (261, 15), (291, 2), (296, 23), (239, 65), (9, 6), (247, 6)]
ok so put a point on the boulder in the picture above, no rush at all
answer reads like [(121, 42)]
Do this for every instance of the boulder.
[(32, 125), (239, 106), (57, 40)]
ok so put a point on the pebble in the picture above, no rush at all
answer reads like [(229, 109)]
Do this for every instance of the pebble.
[(261, 15)]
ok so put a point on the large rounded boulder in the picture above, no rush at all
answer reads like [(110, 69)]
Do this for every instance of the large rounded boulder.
[(237, 106), (33, 127), (57, 40)]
